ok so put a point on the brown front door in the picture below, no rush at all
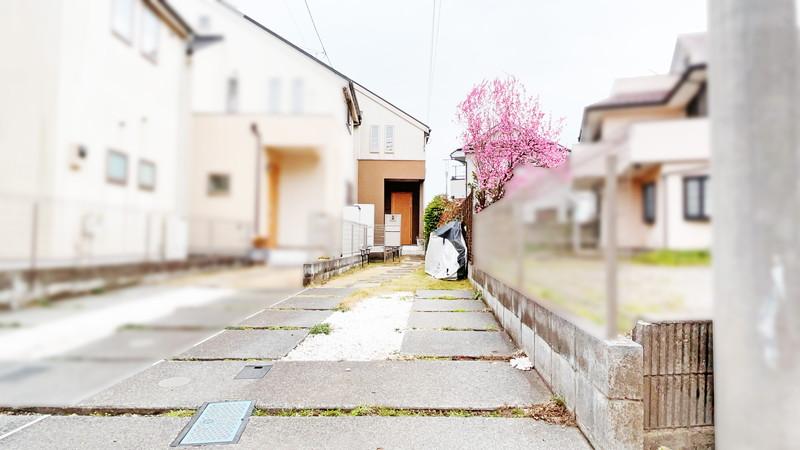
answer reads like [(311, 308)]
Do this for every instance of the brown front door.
[(403, 204), (273, 177)]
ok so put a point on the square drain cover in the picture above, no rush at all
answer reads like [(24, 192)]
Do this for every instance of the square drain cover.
[(253, 372), (216, 423)]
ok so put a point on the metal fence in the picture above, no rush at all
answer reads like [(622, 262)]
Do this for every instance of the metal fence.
[(43, 232), (215, 236), (354, 238)]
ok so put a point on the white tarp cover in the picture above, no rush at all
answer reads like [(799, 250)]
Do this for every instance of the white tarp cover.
[(445, 258)]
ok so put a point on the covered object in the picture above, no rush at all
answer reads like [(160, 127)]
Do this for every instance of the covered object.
[(446, 257)]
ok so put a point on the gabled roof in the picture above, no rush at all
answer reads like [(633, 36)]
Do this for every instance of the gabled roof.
[(318, 61), (171, 18), (683, 90)]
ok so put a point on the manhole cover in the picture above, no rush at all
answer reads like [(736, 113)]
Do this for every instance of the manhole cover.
[(216, 423), (253, 372)]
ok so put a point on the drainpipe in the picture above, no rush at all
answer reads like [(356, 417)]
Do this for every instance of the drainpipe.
[(259, 163)]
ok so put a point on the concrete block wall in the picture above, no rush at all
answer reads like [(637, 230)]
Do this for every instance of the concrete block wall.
[(322, 270), (600, 380)]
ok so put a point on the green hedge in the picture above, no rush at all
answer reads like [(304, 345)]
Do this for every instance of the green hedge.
[(433, 212)]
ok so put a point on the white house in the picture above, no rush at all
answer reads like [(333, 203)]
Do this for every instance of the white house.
[(93, 132), (658, 127), (279, 139)]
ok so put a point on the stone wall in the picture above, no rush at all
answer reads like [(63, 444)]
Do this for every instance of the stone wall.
[(600, 380), (320, 271), (19, 287)]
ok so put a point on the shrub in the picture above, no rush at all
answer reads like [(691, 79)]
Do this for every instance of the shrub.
[(433, 213)]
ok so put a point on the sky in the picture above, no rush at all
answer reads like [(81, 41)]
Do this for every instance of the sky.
[(566, 52)]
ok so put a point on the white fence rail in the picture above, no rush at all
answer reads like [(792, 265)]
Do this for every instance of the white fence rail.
[(354, 237)]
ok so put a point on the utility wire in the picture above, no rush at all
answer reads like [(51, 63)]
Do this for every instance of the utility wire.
[(435, 22), (324, 52)]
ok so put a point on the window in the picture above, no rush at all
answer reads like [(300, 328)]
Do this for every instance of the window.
[(698, 107), (297, 96), (389, 139), (274, 95), (151, 28), (649, 202), (204, 23), (374, 138), (232, 95), (696, 198), (117, 167), (122, 19), (219, 184), (147, 175)]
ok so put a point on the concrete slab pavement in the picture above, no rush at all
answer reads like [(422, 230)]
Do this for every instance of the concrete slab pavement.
[(139, 344), (60, 383), (308, 302), (247, 344), (137, 432), (448, 305), (445, 293), (334, 291), (455, 320), (457, 343), (287, 318), (212, 317), (320, 384), (13, 422)]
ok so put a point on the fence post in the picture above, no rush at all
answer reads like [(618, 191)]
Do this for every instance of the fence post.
[(611, 246)]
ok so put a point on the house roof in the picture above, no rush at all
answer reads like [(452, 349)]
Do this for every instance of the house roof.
[(318, 61), (171, 18), (690, 49), (681, 91)]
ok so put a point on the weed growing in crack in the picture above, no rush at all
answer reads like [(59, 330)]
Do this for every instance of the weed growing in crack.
[(320, 328)]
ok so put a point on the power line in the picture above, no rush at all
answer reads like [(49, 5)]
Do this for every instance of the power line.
[(435, 22), (324, 52)]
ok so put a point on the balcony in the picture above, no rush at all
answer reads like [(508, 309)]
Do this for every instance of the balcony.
[(644, 143)]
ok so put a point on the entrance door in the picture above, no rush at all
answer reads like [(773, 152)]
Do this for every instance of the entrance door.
[(273, 175), (403, 204)]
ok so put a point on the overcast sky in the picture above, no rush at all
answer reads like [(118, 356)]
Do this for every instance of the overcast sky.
[(567, 52)]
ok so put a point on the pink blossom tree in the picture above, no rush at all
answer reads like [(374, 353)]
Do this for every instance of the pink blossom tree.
[(504, 129)]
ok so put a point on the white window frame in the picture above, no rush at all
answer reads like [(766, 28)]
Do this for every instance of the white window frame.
[(150, 31), (232, 94), (112, 178), (145, 184), (374, 138), (388, 139), (274, 88), (126, 35), (298, 95)]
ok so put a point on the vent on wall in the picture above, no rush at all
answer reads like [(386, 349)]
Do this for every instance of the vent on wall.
[(77, 157)]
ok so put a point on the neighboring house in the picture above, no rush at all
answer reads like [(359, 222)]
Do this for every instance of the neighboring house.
[(282, 142), (93, 133), (658, 127)]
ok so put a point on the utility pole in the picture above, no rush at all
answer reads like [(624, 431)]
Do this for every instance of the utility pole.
[(756, 222)]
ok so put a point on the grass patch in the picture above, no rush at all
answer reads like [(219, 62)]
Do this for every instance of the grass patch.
[(320, 328), (10, 325), (674, 258), (411, 282), (552, 412), (179, 413), (270, 328)]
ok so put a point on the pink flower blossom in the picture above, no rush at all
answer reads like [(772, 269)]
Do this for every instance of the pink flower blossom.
[(505, 129)]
